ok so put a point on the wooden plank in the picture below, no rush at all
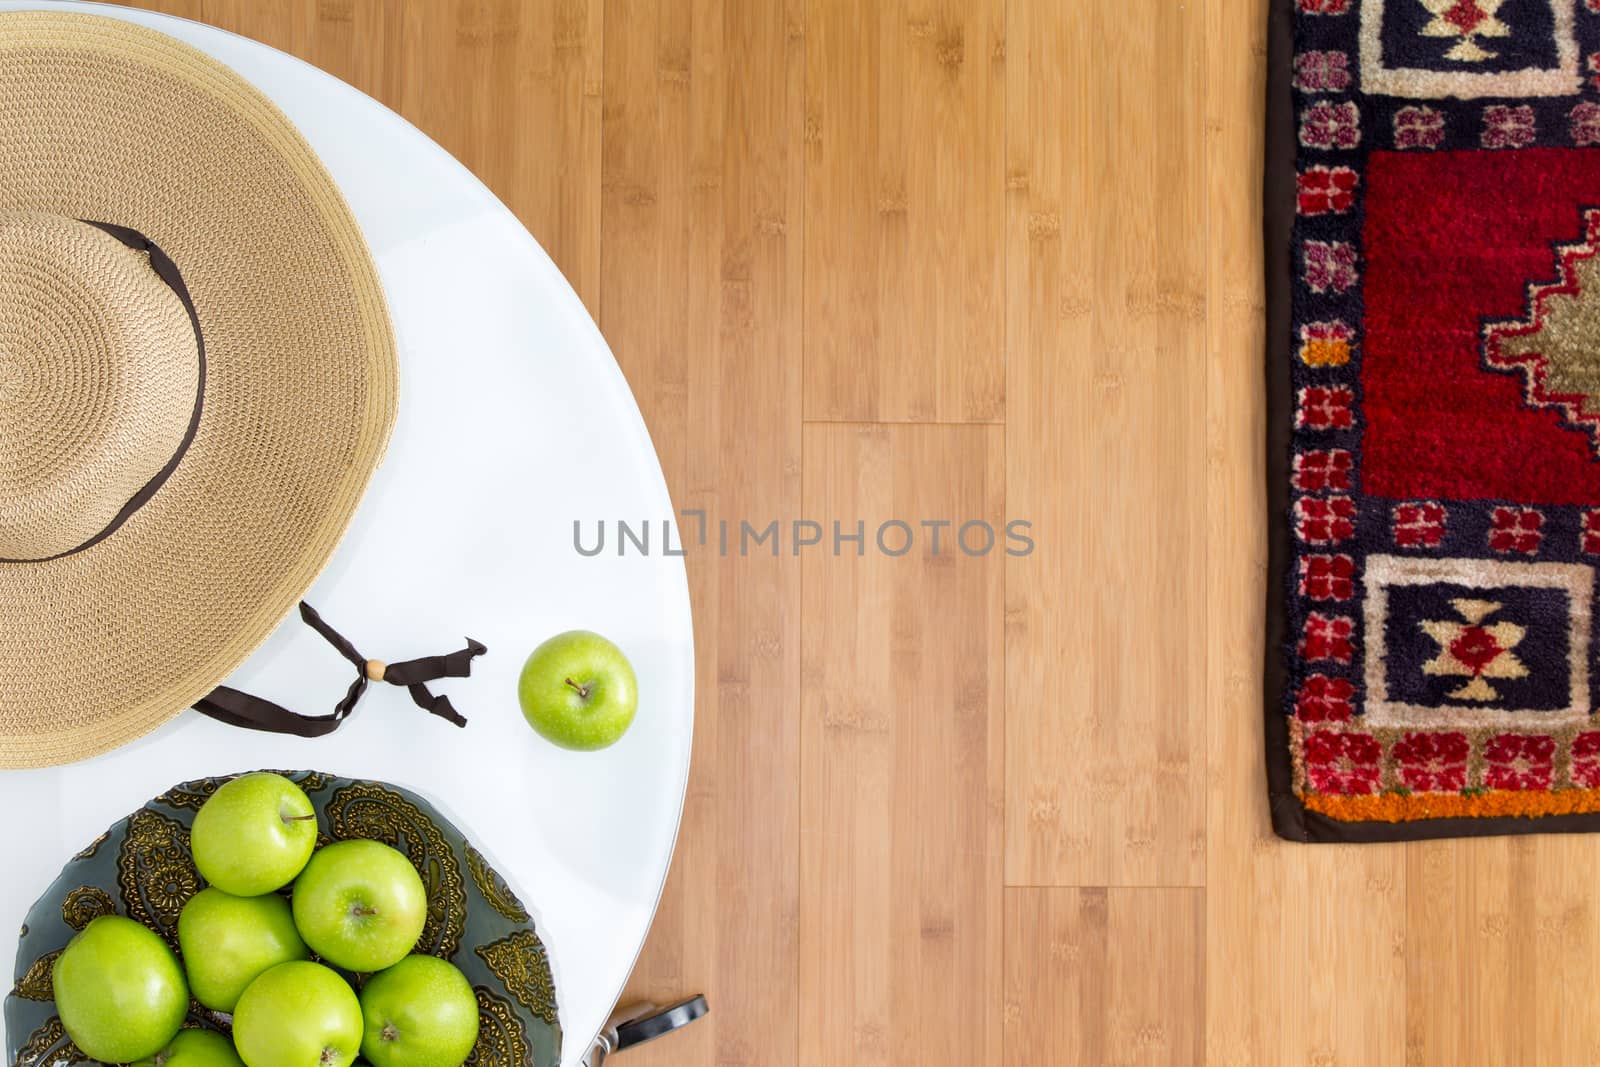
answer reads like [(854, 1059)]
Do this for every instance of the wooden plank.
[(1469, 955), (646, 204), (904, 195), (1304, 944), (660, 302), (1500, 951), (1564, 925), (1105, 444), (1099, 976), (701, 303), (901, 769)]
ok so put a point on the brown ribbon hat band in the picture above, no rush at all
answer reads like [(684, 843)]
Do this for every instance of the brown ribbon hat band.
[(167, 271)]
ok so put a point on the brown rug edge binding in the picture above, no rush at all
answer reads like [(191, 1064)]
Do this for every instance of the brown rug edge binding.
[(1290, 818)]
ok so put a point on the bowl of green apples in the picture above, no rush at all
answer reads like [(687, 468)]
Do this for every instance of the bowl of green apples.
[(282, 919)]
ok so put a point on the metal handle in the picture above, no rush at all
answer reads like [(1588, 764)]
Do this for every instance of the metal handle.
[(648, 1027), (638, 1023)]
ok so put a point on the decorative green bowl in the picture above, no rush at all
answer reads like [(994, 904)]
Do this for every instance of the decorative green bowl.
[(142, 868)]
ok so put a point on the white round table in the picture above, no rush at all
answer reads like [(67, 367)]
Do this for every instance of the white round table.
[(514, 423)]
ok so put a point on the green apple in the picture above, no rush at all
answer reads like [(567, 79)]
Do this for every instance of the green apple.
[(254, 834), (419, 1013), (360, 905), (119, 991), (195, 1048), (227, 941), (298, 1014), (578, 691)]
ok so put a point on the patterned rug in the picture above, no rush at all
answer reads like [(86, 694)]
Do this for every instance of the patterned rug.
[(1433, 219)]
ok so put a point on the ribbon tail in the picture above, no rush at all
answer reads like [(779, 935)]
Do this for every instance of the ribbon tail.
[(431, 668), (415, 673), (255, 713), (435, 705), (313, 619)]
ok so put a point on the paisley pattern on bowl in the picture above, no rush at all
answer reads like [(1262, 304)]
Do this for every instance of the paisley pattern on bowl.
[(494, 888), (48, 1046), (519, 961), (142, 868), (502, 1037), (85, 904)]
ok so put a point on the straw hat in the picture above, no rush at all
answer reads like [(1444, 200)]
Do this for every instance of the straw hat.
[(197, 378)]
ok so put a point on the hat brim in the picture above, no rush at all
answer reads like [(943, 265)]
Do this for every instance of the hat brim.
[(110, 121)]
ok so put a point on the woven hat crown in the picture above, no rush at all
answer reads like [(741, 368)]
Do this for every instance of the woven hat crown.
[(98, 373)]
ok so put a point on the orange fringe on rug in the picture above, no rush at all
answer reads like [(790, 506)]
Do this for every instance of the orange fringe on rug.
[(1397, 807)]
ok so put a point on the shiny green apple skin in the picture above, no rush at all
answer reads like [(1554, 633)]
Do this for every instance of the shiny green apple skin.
[(578, 691), (360, 905), (419, 1013), (227, 941), (254, 835), (298, 1014), (119, 991), (195, 1048)]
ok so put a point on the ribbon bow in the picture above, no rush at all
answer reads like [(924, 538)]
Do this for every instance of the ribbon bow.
[(237, 708)]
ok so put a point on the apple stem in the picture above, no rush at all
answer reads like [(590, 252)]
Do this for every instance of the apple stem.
[(299, 818), (583, 690)]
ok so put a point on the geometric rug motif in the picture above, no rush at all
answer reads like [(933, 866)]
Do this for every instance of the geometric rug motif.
[(1552, 344), (1476, 642)]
